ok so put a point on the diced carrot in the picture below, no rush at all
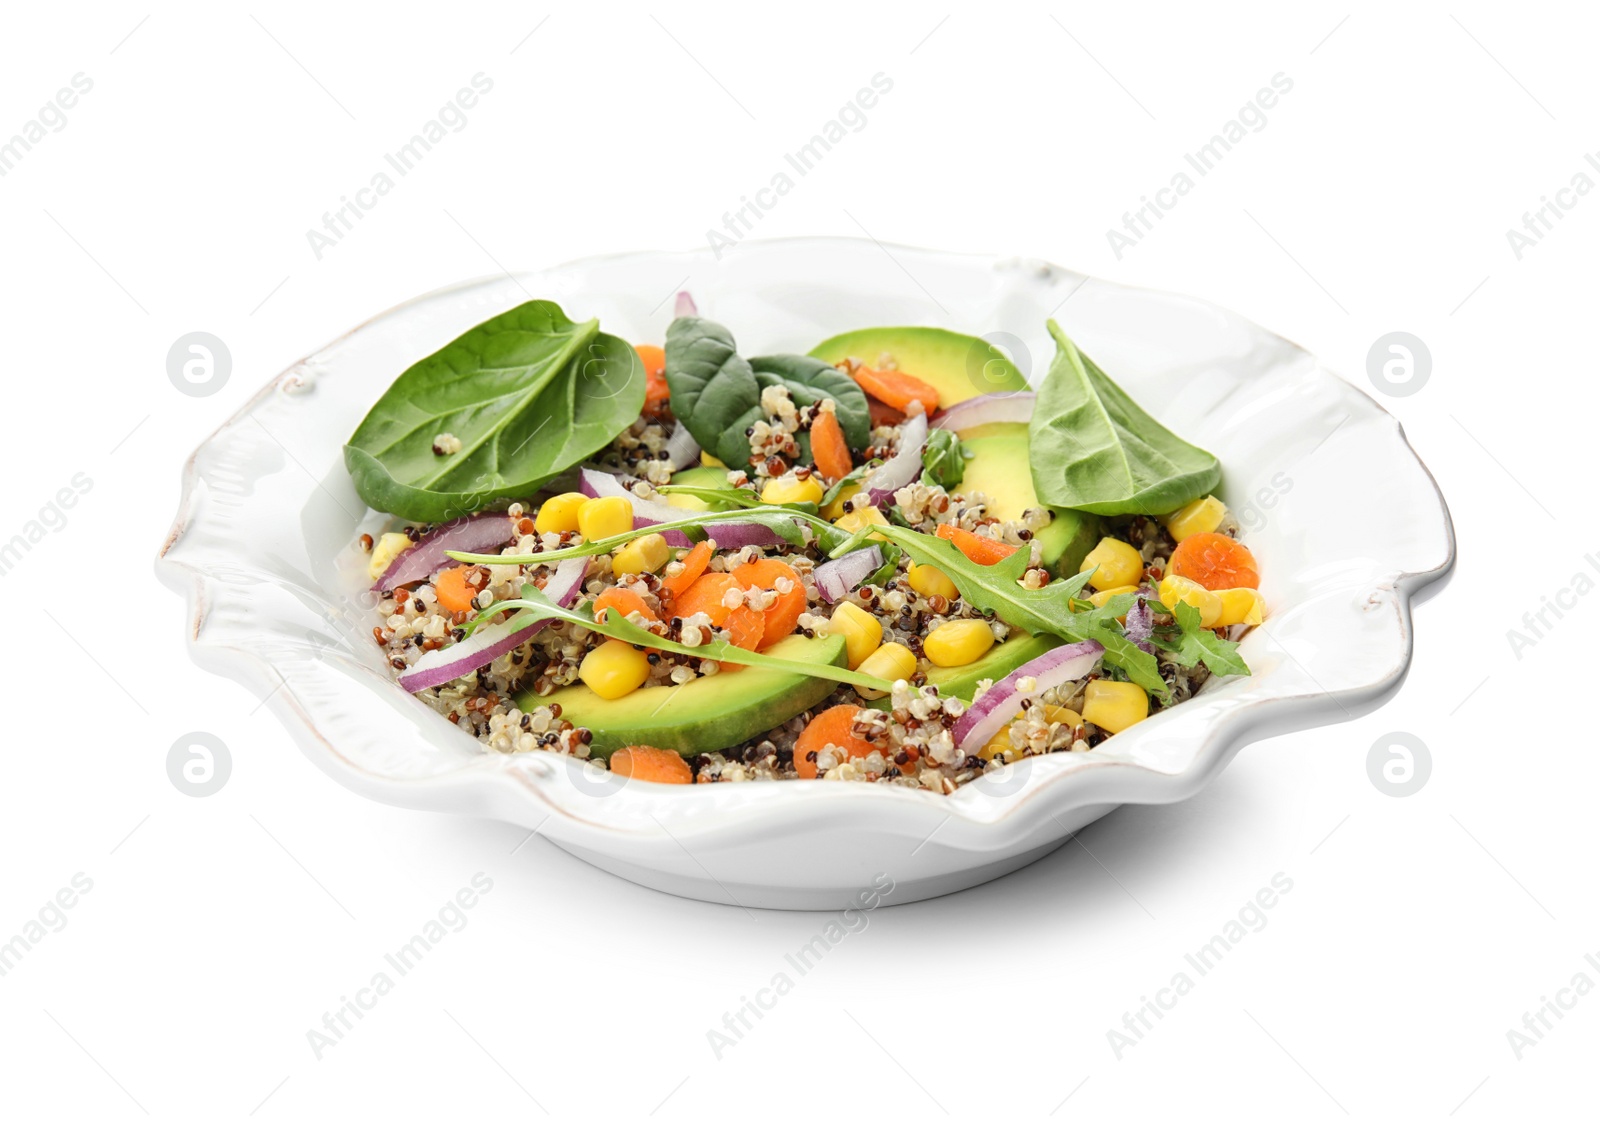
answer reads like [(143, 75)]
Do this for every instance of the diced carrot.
[(453, 589), (647, 763), (831, 727), (1215, 561), (655, 378), (882, 415), (624, 601), (744, 630), (784, 613), (694, 563), (978, 549), (706, 595), (897, 389), (828, 447)]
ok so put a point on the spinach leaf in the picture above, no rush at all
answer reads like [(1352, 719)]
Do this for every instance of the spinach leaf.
[(944, 460), (528, 394), (1092, 448), (811, 381)]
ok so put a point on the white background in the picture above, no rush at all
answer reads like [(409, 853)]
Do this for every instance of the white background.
[(219, 930)]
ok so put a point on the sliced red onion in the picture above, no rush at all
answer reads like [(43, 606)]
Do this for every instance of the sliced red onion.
[(647, 512), (684, 307), (489, 643), (836, 578), (903, 469), (991, 408), (477, 533), (682, 449), (1140, 622), (995, 708)]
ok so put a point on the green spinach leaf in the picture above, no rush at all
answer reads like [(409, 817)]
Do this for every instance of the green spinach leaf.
[(811, 381), (1092, 448), (528, 394)]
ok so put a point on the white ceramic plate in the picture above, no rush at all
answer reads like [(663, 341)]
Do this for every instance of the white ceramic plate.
[(1347, 524)]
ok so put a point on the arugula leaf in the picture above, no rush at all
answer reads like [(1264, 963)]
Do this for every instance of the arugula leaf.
[(529, 393), (1049, 610), (1092, 448), (944, 460), (737, 498), (1197, 646)]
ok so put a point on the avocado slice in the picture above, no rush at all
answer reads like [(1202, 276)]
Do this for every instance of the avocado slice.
[(999, 468), (715, 478), (708, 714), (995, 664), (958, 365)]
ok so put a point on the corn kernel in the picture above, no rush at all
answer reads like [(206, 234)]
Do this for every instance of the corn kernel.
[(709, 460), (788, 490), (559, 515), (929, 581), (956, 642), (1115, 706), (1115, 564), (835, 509), (388, 547), (1202, 516), (686, 501), (613, 669), (861, 631), (1061, 716), (604, 518), (1001, 743), (1240, 606), (891, 661), (863, 516), (1207, 603), (1098, 599), (641, 555)]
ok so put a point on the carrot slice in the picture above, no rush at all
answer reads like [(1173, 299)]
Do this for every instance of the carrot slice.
[(1215, 561), (624, 601), (783, 614), (897, 389), (647, 763), (694, 563), (882, 415), (831, 727), (453, 589), (705, 595), (978, 549), (656, 393), (828, 447)]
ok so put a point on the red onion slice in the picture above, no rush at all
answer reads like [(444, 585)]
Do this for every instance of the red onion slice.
[(647, 512), (682, 450), (489, 643), (684, 307), (478, 533), (991, 408), (903, 469), (1140, 622), (995, 708), (836, 578)]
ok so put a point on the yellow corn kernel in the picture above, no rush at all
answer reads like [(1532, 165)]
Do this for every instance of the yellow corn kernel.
[(864, 516), (891, 661), (686, 501), (1115, 706), (1115, 564), (956, 642), (613, 669), (709, 460), (929, 581), (1001, 742), (1098, 599), (384, 551), (861, 631), (1207, 603), (644, 554), (788, 490), (1060, 715), (604, 518), (835, 509), (1202, 516), (559, 515), (1240, 606)]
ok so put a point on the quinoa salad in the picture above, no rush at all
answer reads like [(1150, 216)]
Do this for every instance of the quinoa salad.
[(887, 561)]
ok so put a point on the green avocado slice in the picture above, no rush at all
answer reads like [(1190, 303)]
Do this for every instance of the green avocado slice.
[(995, 664), (999, 468), (958, 365), (711, 713)]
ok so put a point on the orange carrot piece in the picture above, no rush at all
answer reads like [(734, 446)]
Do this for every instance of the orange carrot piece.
[(656, 393), (831, 727), (1215, 561), (897, 389), (624, 601), (828, 447), (978, 549), (694, 564), (647, 763), (705, 595), (454, 591), (783, 615)]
